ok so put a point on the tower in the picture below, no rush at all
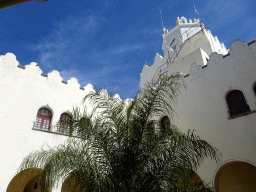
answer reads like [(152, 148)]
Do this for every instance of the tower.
[(188, 42), (219, 101)]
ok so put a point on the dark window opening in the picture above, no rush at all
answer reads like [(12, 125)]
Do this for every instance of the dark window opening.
[(237, 103), (165, 121)]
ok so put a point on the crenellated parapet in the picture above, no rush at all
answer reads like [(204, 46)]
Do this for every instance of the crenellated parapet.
[(240, 59), (188, 42), (206, 56), (183, 20), (9, 66)]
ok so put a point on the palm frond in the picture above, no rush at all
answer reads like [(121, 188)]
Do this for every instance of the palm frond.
[(119, 150)]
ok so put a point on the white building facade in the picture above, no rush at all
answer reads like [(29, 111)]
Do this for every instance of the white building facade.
[(31, 105), (219, 101)]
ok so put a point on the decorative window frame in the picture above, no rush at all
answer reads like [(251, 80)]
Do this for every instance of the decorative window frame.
[(48, 129)]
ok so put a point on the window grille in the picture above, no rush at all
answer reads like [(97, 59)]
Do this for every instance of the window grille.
[(43, 119), (64, 125)]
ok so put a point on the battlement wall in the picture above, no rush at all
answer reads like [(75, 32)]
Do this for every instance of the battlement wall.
[(204, 99), (9, 65), (241, 57), (183, 20), (24, 90), (27, 89), (203, 105)]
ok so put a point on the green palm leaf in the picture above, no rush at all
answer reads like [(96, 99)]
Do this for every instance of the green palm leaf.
[(116, 147)]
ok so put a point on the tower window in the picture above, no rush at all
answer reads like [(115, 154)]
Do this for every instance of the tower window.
[(43, 119), (64, 124), (237, 103)]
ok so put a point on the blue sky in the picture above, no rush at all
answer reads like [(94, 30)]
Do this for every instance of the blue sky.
[(106, 43)]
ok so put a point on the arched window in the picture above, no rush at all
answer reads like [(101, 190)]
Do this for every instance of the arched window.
[(43, 119), (64, 125), (165, 121), (237, 103), (84, 122), (151, 126)]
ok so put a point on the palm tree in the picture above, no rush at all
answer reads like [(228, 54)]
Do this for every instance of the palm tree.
[(123, 148)]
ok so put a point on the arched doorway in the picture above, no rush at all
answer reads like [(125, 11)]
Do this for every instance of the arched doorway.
[(32, 185), (25, 181), (190, 179), (236, 176), (194, 179), (70, 185)]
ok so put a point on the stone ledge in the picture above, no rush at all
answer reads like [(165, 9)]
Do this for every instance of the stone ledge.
[(244, 114), (57, 133)]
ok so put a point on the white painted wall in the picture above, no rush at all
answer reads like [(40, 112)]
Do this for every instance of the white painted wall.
[(203, 107), (22, 93)]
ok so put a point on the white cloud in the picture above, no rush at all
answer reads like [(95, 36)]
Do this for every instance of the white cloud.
[(64, 43), (92, 76), (126, 48), (223, 10), (71, 48)]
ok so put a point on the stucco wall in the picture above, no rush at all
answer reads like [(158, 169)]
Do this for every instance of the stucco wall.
[(183, 64), (189, 36), (202, 105), (23, 90)]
